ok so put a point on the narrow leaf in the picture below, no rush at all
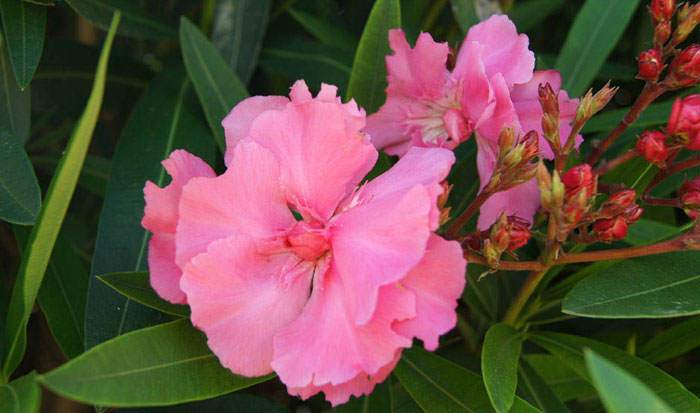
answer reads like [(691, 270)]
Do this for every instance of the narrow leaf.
[(663, 285), (24, 25), (136, 286), (565, 384), (135, 21), (655, 114), (379, 401), (20, 195), (669, 344), (41, 241), (216, 85), (539, 391), (368, 77), (324, 31), (620, 391), (163, 120), (499, 364), (238, 33), (156, 366), (594, 34), (14, 102), (529, 14), (21, 395), (465, 13)]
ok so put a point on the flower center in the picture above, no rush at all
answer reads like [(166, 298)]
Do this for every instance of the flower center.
[(307, 242), (441, 123)]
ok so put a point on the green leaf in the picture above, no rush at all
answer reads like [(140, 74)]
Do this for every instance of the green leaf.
[(324, 31), (136, 286), (499, 364), (238, 33), (438, 385), (655, 114), (155, 366), (41, 241), (368, 77), (379, 401), (569, 350), (164, 119), (24, 25), (646, 231), (216, 85), (230, 403), (465, 13), (21, 395), (20, 195), (662, 285), (620, 391), (529, 14), (565, 384), (539, 391), (14, 102), (673, 342), (135, 21), (594, 34)]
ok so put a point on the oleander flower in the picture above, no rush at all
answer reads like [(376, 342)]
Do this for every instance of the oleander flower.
[(291, 265), (492, 86)]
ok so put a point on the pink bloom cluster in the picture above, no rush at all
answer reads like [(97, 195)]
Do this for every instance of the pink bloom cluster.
[(289, 263), (492, 86)]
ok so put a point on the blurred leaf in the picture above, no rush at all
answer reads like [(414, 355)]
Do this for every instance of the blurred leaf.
[(135, 21), (41, 241), (238, 33), (136, 286), (164, 119), (233, 403), (646, 231), (379, 401), (368, 77), (63, 293), (21, 395), (324, 31), (539, 391), (155, 366), (594, 34), (303, 59), (529, 14), (673, 342), (569, 350), (24, 25), (20, 195), (14, 102), (655, 114), (216, 85), (438, 385), (664, 285), (482, 296), (499, 364), (620, 391), (565, 384), (465, 13)]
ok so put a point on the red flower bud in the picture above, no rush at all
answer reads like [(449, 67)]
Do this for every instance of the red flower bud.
[(519, 232), (633, 213), (662, 32), (531, 146), (611, 229), (622, 199), (662, 10), (690, 197), (579, 178), (684, 122), (652, 146), (650, 64), (685, 68)]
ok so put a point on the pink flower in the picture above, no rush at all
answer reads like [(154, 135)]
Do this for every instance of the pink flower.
[(289, 266), (492, 86), (685, 120)]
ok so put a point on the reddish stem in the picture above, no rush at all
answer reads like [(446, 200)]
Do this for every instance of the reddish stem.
[(614, 163), (452, 231)]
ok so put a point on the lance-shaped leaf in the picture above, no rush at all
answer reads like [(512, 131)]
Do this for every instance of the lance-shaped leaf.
[(155, 366), (20, 195), (21, 395), (135, 21), (14, 102), (677, 340), (537, 390), (499, 364), (41, 241), (24, 25), (136, 286)]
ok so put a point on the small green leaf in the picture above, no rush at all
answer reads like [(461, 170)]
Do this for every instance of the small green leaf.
[(565, 384), (238, 33), (379, 401), (569, 350), (24, 25), (216, 85), (368, 77), (135, 21), (620, 391), (41, 241), (155, 366), (14, 102), (594, 34), (663, 285), (136, 286), (20, 195), (529, 14), (21, 395), (673, 342), (324, 31), (499, 364), (438, 385), (539, 391)]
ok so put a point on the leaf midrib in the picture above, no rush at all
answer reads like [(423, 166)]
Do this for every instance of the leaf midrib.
[(437, 385)]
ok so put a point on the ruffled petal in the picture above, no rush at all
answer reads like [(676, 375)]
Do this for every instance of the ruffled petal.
[(325, 346), (237, 123), (377, 242), (161, 216), (388, 128), (437, 281), (477, 95), (321, 152), (241, 298), (501, 113), (246, 199)]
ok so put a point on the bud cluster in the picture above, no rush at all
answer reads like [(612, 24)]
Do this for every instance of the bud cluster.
[(690, 197), (661, 14), (507, 234), (685, 68), (549, 100), (591, 104), (652, 147), (514, 164), (616, 215)]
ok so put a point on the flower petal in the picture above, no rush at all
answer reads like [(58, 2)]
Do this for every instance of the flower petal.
[(241, 298), (476, 88), (437, 281), (522, 201)]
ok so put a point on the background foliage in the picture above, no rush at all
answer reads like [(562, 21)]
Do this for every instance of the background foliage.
[(86, 117)]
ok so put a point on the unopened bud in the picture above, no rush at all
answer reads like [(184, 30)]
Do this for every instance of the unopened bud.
[(531, 146), (558, 189), (662, 10), (492, 255), (684, 122), (690, 197), (650, 64), (618, 203), (506, 140), (633, 213), (544, 183), (662, 32), (500, 233), (688, 18), (652, 147), (442, 202), (591, 104), (685, 68), (611, 229), (519, 232), (579, 178), (548, 99)]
